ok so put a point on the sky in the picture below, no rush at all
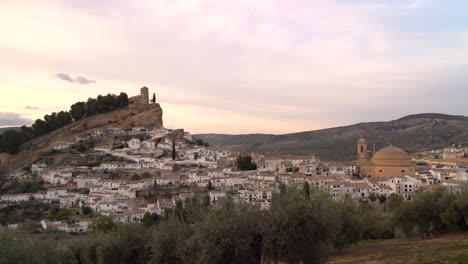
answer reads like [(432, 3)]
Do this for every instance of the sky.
[(241, 66)]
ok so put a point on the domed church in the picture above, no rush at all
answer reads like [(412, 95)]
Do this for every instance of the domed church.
[(389, 161)]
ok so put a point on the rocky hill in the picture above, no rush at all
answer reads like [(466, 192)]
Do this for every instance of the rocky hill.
[(412, 133), (126, 118)]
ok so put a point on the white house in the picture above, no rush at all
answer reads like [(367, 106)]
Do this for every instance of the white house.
[(38, 167), (153, 209), (69, 200), (98, 133), (85, 182), (15, 198), (197, 177), (129, 216), (57, 177), (254, 195), (112, 166), (216, 195), (338, 169), (63, 146), (138, 130), (148, 144), (307, 168), (132, 166), (127, 191), (134, 143), (164, 204), (55, 193), (115, 131), (165, 145), (444, 174)]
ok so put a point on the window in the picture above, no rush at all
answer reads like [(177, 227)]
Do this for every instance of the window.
[(362, 148), (402, 170)]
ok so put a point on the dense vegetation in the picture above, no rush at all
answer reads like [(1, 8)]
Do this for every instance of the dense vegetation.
[(431, 213), (26, 213), (303, 225), (200, 142), (244, 162), (10, 140), (17, 186)]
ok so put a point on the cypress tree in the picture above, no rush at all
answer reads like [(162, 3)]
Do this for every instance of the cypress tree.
[(173, 150)]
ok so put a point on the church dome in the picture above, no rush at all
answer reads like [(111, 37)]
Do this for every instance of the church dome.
[(392, 156)]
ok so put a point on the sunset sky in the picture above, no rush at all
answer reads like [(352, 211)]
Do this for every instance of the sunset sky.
[(238, 66)]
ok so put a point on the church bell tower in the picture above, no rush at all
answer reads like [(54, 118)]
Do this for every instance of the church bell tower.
[(362, 149)]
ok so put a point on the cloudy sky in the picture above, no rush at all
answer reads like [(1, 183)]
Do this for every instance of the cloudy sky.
[(271, 66)]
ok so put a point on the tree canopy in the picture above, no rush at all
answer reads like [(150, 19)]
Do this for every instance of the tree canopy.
[(10, 140), (303, 225), (245, 163)]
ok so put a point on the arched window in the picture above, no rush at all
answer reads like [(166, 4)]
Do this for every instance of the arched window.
[(362, 148)]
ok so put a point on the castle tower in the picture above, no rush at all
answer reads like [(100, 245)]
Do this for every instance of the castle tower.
[(362, 150), (144, 95)]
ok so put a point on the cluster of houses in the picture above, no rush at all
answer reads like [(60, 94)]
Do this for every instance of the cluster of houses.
[(133, 144), (208, 168), (455, 152)]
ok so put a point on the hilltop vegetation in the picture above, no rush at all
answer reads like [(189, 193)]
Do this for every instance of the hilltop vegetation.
[(302, 226), (412, 133), (10, 140)]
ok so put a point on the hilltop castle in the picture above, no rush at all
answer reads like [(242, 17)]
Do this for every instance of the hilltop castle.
[(140, 100)]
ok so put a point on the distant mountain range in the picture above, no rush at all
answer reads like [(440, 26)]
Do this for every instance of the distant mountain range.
[(411, 133), (3, 129)]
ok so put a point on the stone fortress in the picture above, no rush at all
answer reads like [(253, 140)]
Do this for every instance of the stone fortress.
[(140, 100)]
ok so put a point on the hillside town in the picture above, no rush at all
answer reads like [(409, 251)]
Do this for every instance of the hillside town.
[(233, 132), (128, 174)]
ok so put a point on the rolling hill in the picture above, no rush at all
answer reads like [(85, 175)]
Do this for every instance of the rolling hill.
[(3, 129), (411, 133)]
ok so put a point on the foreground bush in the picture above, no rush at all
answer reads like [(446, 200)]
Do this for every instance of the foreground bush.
[(434, 212), (302, 226)]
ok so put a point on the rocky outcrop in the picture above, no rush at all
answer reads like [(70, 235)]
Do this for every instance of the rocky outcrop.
[(146, 116), (5, 158), (126, 118)]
